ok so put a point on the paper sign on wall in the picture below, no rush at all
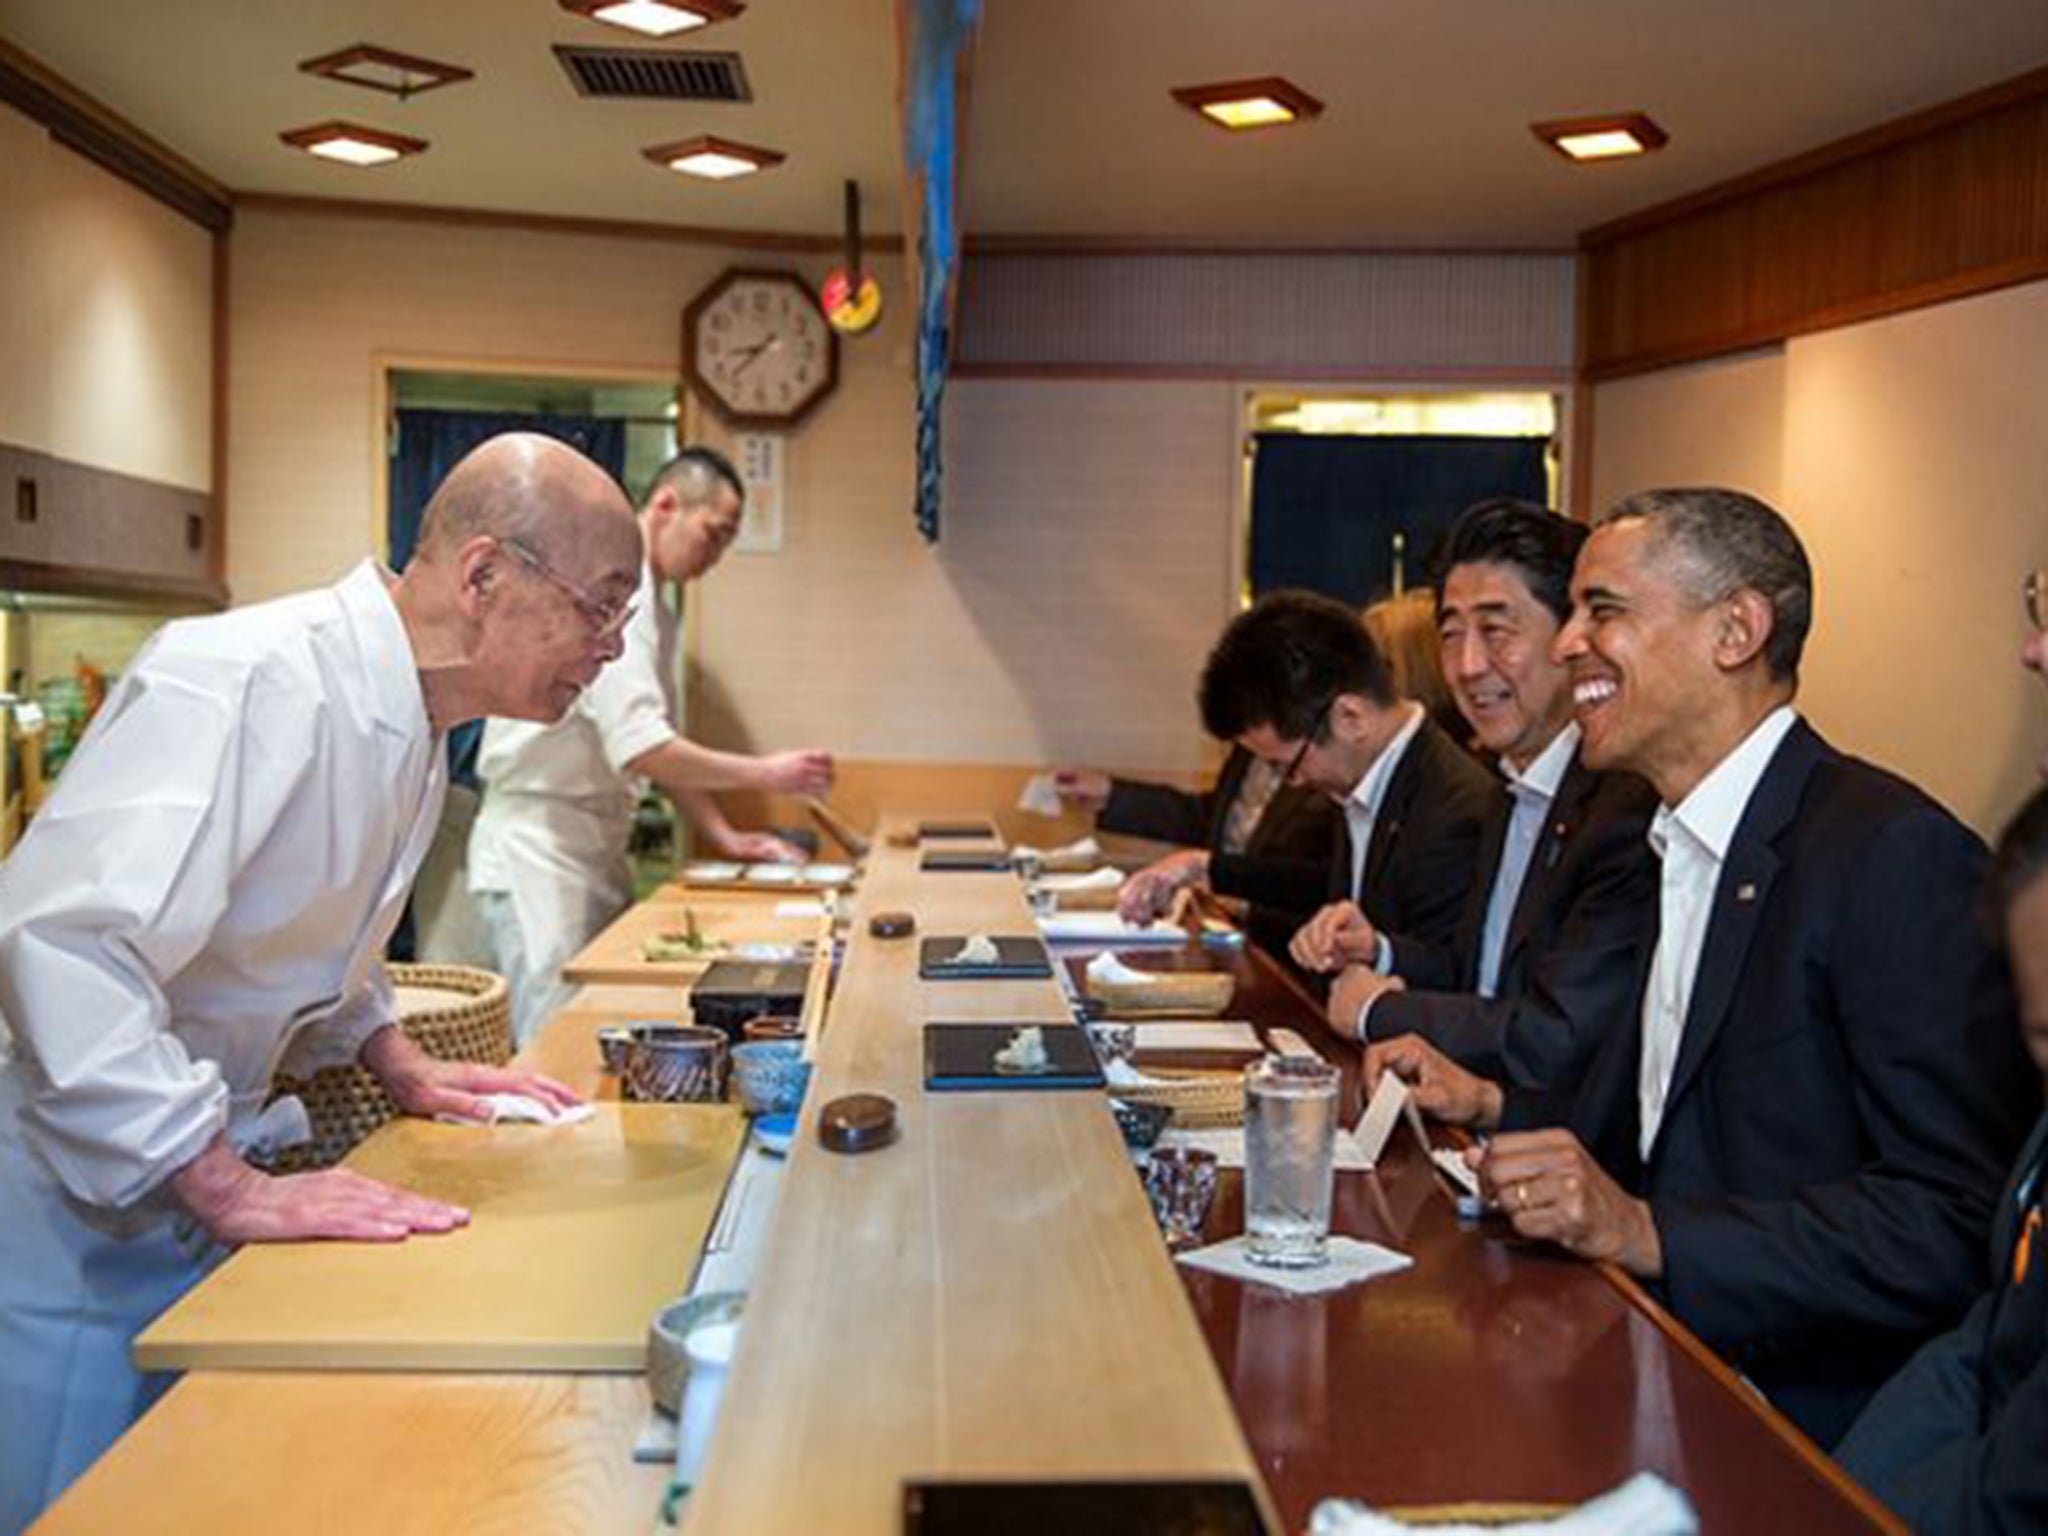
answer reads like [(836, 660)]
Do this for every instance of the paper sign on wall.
[(759, 461)]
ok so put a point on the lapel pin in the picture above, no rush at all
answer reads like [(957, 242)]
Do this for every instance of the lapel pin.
[(1745, 892)]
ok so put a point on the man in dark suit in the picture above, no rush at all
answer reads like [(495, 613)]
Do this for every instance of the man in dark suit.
[(1246, 821), (1799, 1130), (1546, 945), (1953, 1443), (1297, 682)]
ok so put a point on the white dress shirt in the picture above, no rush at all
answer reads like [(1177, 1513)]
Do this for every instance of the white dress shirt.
[(212, 881), (1362, 805), (1532, 792), (1691, 843)]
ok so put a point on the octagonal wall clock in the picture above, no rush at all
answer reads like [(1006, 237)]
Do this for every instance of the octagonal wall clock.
[(757, 347)]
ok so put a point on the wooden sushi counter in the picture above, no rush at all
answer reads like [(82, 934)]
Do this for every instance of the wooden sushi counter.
[(987, 1298)]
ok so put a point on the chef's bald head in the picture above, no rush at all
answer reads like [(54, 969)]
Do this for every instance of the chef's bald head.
[(528, 488)]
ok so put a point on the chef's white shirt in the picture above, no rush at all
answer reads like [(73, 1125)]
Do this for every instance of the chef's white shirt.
[(207, 893), (558, 803)]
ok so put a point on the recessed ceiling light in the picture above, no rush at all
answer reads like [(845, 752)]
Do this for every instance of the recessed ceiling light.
[(381, 69), (713, 159), (352, 144), (1613, 137), (656, 18), (1264, 103)]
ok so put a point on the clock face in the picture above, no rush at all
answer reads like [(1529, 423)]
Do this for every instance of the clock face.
[(757, 346)]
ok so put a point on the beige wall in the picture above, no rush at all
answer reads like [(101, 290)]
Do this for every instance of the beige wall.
[(1910, 454), (106, 329), (1086, 559)]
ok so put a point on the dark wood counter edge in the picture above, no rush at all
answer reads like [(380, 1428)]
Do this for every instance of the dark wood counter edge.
[(1817, 1461)]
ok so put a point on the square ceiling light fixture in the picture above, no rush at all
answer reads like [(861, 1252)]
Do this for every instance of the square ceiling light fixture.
[(714, 159), (353, 144), (1267, 103), (656, 18), (1614, 137), (381, 69)]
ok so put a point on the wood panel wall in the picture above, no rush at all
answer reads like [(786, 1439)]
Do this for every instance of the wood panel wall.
[(1933, 207)]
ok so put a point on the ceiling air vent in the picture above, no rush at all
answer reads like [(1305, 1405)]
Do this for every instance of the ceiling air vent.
[(655, 74)]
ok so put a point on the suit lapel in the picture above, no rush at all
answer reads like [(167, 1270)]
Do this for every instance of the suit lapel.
[(1393, 811), (1567, 811), (1739, 900)]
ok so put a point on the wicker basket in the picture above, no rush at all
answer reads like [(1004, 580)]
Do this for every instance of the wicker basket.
[(1176, 994), (454, 1012), (1200, 1099)]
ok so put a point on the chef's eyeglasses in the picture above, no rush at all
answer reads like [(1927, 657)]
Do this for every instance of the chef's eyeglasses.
[(1301, 752), (2035, 590), (602, 619)]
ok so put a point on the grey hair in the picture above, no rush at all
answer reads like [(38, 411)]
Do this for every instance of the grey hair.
[(1719, 542)]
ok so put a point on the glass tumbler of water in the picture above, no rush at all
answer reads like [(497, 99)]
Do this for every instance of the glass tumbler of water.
[(1290, 1131)]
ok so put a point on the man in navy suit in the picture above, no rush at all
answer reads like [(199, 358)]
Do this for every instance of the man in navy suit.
[(1798, 1132), (1546, 948), (1296, 681), (1954, 1443)]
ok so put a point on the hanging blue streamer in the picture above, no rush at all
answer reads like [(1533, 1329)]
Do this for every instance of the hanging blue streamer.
[(939, 30)]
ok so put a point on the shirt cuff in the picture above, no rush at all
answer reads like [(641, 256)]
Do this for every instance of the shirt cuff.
[(1382, 957)]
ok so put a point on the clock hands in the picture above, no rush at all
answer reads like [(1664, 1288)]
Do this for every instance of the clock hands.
[(748, 356)]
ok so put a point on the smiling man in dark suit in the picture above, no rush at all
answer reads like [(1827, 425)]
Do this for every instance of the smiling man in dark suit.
[(1297, 682), (1545, 950), (1800, 1130)]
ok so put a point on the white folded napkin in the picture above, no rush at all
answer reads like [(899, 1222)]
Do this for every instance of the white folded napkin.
[(1227, 1142), (1645, 1505), (522, 1109), (1108, 928), (1082, 850), (1351, 1261), (1040, 796), (1103, 879), (1195, 1034)]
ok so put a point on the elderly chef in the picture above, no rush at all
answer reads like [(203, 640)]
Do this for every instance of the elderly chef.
[(206, 896)]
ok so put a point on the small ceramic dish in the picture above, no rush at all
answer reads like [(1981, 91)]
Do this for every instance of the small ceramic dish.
[(828, 874), (773, 874), (613, 1039), (770, 1076), (1142, 1124), (712, 870), (668, 1363), (775, 1133)]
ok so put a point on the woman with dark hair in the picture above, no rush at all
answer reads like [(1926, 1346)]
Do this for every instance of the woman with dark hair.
[(1958, 1440)]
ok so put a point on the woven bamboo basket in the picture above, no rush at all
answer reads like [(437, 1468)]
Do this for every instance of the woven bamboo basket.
[(454, 1012), (1201, 1099), (1178, 994)]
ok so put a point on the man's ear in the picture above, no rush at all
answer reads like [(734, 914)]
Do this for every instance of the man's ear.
[(1350, 716), (1742, 628), (478, 570)]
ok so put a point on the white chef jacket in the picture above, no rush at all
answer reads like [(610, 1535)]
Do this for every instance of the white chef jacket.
[(211, 884), (558, 803)]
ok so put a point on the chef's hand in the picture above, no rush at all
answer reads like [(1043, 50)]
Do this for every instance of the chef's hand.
[(1550, 1187), (1149, 893), (1355, 986), (796, 773), (1085, 789), (1439, 1086), (237, 1204), (758, 848), (426, 1086), (1335, 937)]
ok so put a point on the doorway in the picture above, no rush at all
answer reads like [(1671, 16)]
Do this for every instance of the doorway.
[(1349, 494)]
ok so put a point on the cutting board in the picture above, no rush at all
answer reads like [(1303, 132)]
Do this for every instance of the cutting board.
[(577, 1237), (618, 956)]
